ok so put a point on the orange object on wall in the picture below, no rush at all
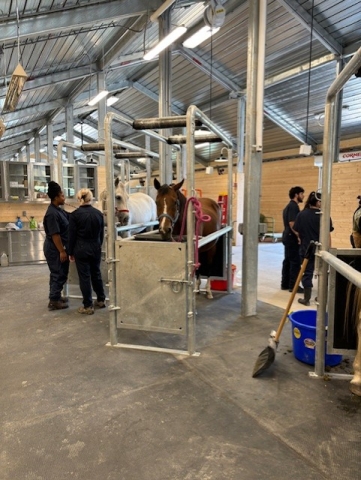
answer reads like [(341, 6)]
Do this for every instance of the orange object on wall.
[(223, 203), (197, 190)]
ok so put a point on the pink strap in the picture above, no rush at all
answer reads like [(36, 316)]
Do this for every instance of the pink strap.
[(200, 218)]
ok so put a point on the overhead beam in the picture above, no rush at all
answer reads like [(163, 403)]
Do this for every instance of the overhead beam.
[(52, 22), (305, 19)]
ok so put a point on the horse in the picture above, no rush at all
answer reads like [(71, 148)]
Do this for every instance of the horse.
[(171, 204), (131, 209)]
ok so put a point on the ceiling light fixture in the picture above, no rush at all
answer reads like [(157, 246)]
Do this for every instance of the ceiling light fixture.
[(111, 101), (15, 87), (165, 42), (97, 98), (199, 37), (221, 159)]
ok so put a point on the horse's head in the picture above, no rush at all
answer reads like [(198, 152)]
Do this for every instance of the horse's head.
[(121, 202), (168, 207)]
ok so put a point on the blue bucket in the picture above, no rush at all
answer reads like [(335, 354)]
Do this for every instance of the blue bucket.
[(304, 338)]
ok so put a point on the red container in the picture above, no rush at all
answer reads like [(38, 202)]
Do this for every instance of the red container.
[(222, 285)]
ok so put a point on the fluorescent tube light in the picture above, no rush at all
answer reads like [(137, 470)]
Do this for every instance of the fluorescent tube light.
[(112, 100), (97, 98), (165, 42), (221, 159), (200, 36), (58, 138)]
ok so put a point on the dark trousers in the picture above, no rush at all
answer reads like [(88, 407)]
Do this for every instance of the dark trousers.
[(58, 270), (87, 260), (308, 275), (290, 266)]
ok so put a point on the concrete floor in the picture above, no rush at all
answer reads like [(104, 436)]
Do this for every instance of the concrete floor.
[(72, 408)]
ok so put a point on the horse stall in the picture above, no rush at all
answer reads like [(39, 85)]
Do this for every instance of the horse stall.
[(152, 282)]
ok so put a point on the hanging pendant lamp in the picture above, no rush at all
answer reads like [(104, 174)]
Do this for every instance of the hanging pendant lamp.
[(16, 85)]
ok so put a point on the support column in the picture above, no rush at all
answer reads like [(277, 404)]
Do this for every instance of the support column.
[(253, 154), (37, 148), (28, 153), (102, 110), (50, 141), (165, 77), (69, 123)]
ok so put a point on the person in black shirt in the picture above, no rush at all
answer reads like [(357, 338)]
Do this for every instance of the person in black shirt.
[(56, 224), (291, 262), (307, 225), (86, 234)]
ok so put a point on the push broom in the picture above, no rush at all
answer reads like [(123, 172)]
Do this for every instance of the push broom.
[(267, 356)]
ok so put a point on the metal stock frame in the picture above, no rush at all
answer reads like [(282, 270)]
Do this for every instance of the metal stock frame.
[(193, 114), (326, 258)]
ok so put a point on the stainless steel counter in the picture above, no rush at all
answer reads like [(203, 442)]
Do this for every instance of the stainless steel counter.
[(23, 246)]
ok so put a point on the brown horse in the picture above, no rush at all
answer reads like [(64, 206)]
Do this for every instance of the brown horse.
[(171, 205)]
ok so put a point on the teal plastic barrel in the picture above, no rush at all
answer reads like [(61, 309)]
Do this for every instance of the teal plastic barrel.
[(304, 338)]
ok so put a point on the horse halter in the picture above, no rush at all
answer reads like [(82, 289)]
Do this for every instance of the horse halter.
[(174, 219)]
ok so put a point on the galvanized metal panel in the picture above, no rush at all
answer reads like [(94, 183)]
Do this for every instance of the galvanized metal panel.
[(150, 292)]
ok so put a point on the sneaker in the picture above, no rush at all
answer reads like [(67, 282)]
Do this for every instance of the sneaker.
[(86, 310), (57, 305), (99, 304)]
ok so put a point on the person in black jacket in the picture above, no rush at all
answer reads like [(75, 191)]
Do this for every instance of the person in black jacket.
[(86, 234), (291, 262), (56, 224), (307, 225)]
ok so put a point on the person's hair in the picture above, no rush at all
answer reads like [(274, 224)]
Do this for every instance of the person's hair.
[(295, 191), (54, 189), (84, 195), (359, 196), (312, 199)]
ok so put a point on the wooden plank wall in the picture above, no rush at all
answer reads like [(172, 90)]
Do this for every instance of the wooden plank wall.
[(277, 178)]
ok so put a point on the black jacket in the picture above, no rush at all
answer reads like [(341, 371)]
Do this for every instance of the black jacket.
[(86, 225)]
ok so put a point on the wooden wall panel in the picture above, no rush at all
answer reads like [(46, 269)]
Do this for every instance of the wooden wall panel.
[(277, 178)]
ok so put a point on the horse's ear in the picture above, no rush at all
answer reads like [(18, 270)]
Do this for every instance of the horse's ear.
[(156, 184), (177, 186)]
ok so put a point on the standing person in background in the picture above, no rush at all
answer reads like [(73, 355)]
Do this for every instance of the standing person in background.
[(56, 225), (86, 234), (356, 226), (291, 262), (307, 225)]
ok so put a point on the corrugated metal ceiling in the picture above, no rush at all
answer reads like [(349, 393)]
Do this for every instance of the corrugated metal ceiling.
[(63, 44)]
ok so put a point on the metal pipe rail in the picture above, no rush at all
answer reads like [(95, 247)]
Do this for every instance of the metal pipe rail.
[(162, 122), (194, 114), (212, 236), (97, 147), (181, 139), (353, 275), (126, 228), (329, 141), (130, 155)]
